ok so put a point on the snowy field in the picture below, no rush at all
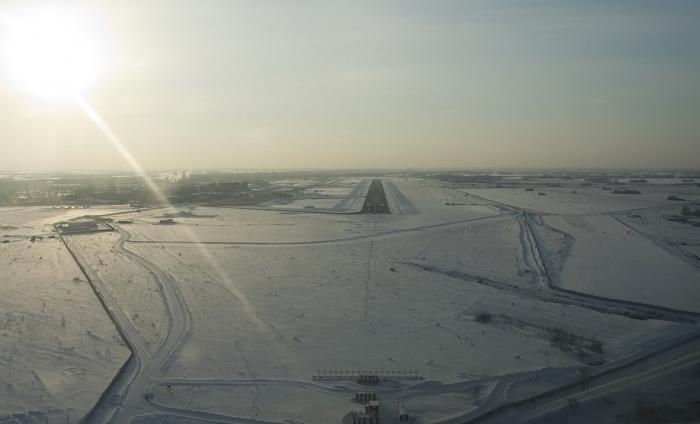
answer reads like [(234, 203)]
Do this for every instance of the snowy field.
[(613, 245), (611, 260), (314, 307), (58, 350), (585, 200), (340, 195), (231, 312), (137, 291), (19, 222)]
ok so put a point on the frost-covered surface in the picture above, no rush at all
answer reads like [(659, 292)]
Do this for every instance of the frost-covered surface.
[(609, 259), (129, 283), (37, 220), (344, 195), (249, 226), (449, 285), (313, 308), (614, 245), (452, 404), (272, 401), (486, 248), (559, 200), (657, 224), (316, 203), (58, 349), (396, 292)]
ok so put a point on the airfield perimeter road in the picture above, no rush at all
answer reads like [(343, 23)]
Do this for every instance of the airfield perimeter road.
[(117, 390), (124, 398), (124, 401), (682, 355)]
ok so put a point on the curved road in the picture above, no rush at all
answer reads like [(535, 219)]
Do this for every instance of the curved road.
[(125, 397)]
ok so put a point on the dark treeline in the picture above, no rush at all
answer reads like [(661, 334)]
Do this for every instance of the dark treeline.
[(96, 189)]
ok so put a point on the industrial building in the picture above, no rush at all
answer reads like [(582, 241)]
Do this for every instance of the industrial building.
[(78, 226)]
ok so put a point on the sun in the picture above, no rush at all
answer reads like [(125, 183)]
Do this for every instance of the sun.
[(53, 54)]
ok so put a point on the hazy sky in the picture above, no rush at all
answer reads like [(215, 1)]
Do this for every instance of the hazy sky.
[(290, 84)]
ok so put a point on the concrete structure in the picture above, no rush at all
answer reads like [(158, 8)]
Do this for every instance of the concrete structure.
[(365, 397), (371, 413), (369, 416), (364, 418), (368, 379), (372, 407), (80, 226)]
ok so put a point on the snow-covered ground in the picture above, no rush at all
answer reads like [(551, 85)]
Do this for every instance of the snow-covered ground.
[(609, 259), (450, 286), (657, 225), (38, 220), (58, 350), (572, 200), (321, 298), (341, 195), (136, 290)]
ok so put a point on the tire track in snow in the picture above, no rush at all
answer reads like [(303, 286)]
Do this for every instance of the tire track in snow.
[(124, 397), (110, 400)]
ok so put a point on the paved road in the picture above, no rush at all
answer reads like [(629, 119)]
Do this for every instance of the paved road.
[(637, 372), (375, 202), (399, 202)]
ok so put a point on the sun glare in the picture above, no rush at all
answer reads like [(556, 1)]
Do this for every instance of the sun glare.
[(53, 54)]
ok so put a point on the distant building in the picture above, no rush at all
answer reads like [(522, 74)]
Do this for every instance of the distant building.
[(82, 226), (166, 221)]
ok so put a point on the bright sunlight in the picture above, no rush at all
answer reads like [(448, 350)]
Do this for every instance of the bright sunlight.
[(53, 54)]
